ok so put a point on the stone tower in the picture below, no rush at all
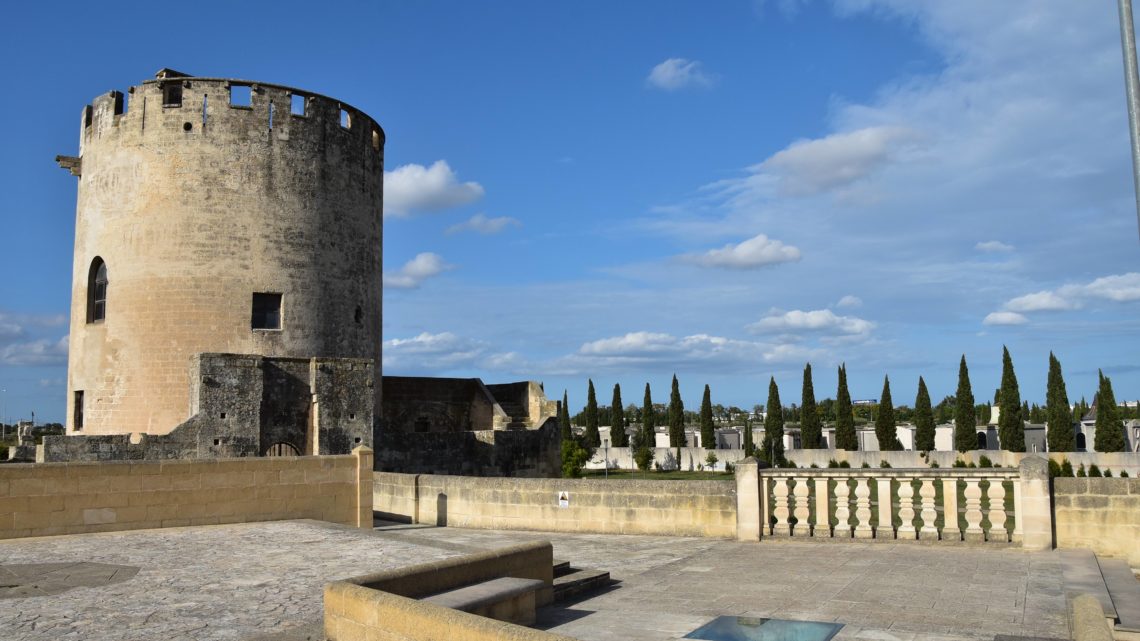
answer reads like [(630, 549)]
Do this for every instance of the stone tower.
[(217, 215)]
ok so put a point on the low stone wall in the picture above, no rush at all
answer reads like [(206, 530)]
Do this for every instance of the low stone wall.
[(671, 508), (1102, 515), (384, 606), (75, 498)]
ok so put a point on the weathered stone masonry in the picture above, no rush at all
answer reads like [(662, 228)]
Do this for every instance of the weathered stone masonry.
[(195, 202)]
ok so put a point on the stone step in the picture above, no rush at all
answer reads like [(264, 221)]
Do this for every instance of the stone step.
[(578, 581), (1082, 575), (1124, 590), (561, 567)]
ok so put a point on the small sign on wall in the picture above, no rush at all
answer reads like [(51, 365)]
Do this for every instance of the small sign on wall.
[(563, 499)]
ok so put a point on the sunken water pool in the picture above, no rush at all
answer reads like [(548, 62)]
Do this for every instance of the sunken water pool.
[(730, 628)]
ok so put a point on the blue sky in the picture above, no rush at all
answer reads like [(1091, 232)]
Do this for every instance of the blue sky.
[(626, 190)]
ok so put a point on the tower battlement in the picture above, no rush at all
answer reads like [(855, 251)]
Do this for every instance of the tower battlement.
[(166, 108)]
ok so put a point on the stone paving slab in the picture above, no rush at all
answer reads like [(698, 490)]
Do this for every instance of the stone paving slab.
[(210, 583), (880, 592)]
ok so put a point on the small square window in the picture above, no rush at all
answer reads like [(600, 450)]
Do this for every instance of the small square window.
[(266, 311), (172, 94), (241, 96), (297, 105)]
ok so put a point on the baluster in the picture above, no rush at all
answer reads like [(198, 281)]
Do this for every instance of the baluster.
[(1018, 523), (950, 529), (886, 528), (929, 531), (765, 508), (863, 509), (803, 510), (996, 494), (906, 510), (782, 527), (822, 513), (974, 533), (842, 508)]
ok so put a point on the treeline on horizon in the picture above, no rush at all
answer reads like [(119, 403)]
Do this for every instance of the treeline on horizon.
[(810, 415)]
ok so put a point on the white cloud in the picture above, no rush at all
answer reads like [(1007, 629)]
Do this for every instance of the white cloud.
[(750, 254), (849, 301), (1040, 302), (482, 224), (410, 188), (443, 352), (416, 271), (1117, 288), (1004, 318), (819, 320), (40, 352), (993, 246), (679, 73), (808, 167), (655, 349)]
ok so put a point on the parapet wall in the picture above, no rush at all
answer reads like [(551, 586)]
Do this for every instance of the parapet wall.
[(514, 453), (669, 508), (1099, 514), (78, 498)]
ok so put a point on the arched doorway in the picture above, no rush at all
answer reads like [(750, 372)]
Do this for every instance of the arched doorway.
[(1081, 443), (982, 441), (282, 449)]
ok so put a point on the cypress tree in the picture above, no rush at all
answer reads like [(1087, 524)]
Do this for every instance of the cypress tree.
[(811, 431), (564, 419), (592, 439), (885, 422), (1109, 429), (648, 425), (773, 446), (708, 434), (676, 416), (617, 428), (845, 438), (1011, 431), (749, 445), (965, 429), (923, 420), (1060, 418)]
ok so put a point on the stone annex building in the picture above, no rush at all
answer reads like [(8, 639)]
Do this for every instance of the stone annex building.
[(227, 286)]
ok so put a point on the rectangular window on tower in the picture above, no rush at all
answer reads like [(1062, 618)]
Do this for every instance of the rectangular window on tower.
[(77, 416), (266, 311)]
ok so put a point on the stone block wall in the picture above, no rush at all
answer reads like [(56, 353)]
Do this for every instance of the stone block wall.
[(431, 405), (243, 405), (671, 508), (517, 453), (1099, 514), (77, 498)]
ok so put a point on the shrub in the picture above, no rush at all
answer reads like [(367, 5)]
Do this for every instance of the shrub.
[(1081, 471), (1094, 471), (730, 468), (833, 463), (971, 464), (1123, 474), (574, 458), (814, 466), (844, 464), (865, 465), (1054, 469), (1066, 467), (934, 464), (959, 463), (712, 460), (1107, 473), (985, 461), (643, 456), (884, 463)]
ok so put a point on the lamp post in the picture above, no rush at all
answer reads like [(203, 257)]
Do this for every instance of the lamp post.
[(1131, 92), (606, 449)]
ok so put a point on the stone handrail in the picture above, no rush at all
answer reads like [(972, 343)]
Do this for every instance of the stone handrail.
[(929, 504)]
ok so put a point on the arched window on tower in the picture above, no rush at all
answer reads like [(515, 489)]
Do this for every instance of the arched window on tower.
[(97, 291)]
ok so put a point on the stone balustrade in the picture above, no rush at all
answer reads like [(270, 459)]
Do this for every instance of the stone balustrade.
[(950, 505)]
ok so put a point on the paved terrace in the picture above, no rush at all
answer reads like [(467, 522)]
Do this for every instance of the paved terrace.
[(264, 580)]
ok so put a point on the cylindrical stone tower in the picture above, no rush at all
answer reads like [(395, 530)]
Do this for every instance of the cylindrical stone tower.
[(217, 215)]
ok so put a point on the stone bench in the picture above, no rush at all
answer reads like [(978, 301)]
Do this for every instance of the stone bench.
[(505, 599)]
